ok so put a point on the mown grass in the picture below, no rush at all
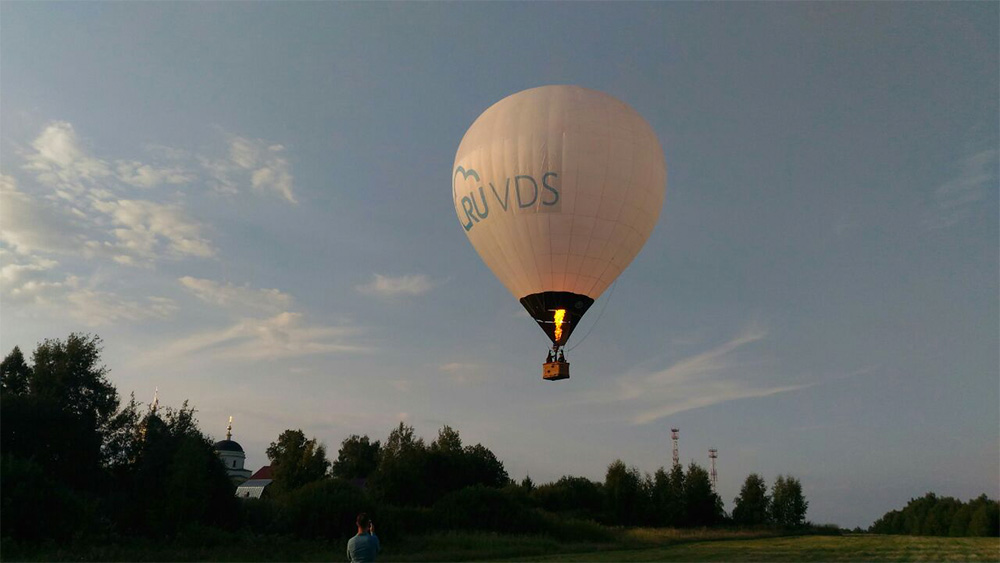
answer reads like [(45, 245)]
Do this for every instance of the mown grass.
[(628, 545), (806, 548)]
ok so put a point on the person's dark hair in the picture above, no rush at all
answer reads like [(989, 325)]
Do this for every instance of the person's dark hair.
[(363, 520)]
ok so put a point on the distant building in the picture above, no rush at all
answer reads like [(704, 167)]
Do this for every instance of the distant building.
[(232, 456), (256, 485)]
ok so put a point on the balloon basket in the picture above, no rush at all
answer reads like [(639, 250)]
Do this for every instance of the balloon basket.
[(554, 371)]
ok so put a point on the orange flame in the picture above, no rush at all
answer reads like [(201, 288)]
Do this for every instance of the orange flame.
[(560, 314)]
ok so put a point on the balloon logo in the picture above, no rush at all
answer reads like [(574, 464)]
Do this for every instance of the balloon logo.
[(557, 189)]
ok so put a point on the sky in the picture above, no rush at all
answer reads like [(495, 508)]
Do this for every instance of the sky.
[(250, 204)]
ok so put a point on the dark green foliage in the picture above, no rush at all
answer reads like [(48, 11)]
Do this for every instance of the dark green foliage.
[(88, 467), (14, 373), (788, 504), (70, 374), (296, 461), (178, 477), (402, 466), (357, 458), (931, 515), (485, 508), (325, 508), (577, 497), (675, 510), (36, 506), (753, 505), (702, 506), (625, 494), (411, 474)]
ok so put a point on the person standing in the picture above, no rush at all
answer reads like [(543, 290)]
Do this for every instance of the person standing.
[(363, 547)]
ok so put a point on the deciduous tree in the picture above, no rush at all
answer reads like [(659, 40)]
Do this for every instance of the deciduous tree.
[(296, 461), (752, 506)]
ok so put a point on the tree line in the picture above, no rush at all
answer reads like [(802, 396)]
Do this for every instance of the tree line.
[(931, 515), (79, 461)]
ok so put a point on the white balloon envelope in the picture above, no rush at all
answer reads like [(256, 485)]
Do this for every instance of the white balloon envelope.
[(558, 188)]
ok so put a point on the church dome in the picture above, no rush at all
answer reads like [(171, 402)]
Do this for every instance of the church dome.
[(228, 446)]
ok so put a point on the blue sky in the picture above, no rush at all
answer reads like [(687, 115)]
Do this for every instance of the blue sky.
[(250, 204)]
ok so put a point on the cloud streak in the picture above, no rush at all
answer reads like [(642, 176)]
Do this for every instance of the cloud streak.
[(955, 200), (237, 297), (388, 286), (281, 336), (712, 377)]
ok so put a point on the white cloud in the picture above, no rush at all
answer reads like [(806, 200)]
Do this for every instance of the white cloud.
[(141, 175), (144, 228), (60, 162), (32, 226), (281, 336), (87, 305), (265, 166), (388, 286), (955, 199), (17, 270), (237, 297)]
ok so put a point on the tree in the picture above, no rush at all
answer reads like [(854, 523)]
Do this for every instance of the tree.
[(703, 506), (675, 509), (787, 501), (484, 468), (985, 518), (576, 496), (448, 441), (623, 490), (296, 461), (527, 485), (70, 374), (59, 411), (357, 458), (401, 475), (660, 498), (752, 505), (14, 373)]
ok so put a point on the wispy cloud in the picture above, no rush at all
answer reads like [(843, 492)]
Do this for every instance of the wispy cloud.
[(149, 230), (264, 165), (237, 297), (281, 336), (72, 298), (388, 286), (32, 226), (955, 200), (714, 376)]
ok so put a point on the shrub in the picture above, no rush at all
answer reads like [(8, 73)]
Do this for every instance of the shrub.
[(485, 508), (323, 509)]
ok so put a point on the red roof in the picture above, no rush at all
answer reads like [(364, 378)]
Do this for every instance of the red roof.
[(263, 473)]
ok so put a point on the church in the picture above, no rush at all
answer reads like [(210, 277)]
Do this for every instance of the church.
[(232, 456)]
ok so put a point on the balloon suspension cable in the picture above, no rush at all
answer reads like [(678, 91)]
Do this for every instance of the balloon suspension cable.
[(599, 315)]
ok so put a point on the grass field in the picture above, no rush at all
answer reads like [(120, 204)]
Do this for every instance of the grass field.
[(631, 545), (807, 548)]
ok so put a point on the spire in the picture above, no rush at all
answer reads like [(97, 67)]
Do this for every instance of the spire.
[(156, 400), (229, 429)]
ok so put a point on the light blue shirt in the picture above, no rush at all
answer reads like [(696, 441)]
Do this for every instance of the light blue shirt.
[(362, 548)]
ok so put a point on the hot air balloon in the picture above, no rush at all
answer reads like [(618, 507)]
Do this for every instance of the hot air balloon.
[(558, 188)]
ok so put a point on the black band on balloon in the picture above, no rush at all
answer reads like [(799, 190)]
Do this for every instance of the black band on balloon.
[(542, 308)]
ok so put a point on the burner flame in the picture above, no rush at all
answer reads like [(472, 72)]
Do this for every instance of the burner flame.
[(560, 314)]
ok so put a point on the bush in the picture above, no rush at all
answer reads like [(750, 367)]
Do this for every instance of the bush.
[(324, 509), (35, 506), (395, 521), (485, 508), (574, 530)]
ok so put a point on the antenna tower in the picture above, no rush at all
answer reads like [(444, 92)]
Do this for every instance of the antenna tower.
[(673, 436), (712, 455)]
